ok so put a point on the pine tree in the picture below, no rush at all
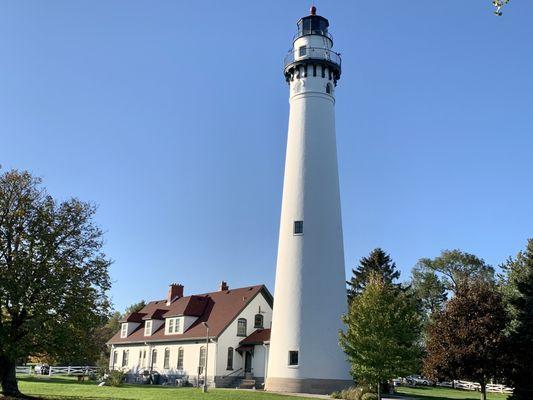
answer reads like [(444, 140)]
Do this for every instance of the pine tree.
[(519, 291), (378, 262)]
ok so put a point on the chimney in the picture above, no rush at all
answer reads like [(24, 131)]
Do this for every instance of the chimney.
[(175, 291), (224, 286)]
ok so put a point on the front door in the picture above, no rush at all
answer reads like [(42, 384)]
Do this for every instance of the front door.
[(247, 361)]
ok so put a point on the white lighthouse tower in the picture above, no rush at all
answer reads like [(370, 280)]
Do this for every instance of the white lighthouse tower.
[(310, 292)]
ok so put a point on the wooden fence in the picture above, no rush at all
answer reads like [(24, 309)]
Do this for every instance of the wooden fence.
[(465, 385), (59, 370)]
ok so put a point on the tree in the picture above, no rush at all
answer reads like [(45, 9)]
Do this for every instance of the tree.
[(377, 262), (466, 340), (54, 276), (453, 267), (518, 291), (429, 289), (136, 307), (382, 332)]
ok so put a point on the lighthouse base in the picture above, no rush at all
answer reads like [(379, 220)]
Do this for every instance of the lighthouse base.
[(309, 385)]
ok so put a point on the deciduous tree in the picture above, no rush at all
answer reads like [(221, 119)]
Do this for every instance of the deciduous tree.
[(54, 276), (466, 340), (453, 267), (381, 338)]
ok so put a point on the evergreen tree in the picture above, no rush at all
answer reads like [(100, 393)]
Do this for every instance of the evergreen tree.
[(382, 333), (519, 293), (378, 262)]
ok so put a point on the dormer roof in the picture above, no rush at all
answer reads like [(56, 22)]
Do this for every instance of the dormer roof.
[(218, 309)]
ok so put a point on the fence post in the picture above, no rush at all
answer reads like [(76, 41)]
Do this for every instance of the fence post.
[(68, 370)]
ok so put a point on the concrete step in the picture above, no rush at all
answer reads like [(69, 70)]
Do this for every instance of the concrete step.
[(247, 384)]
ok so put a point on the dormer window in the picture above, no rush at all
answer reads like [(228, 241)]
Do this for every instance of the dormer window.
[(147, 328), (174, 325), (124, 330)]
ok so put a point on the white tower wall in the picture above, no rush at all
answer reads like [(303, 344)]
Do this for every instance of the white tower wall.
[(310, 290)]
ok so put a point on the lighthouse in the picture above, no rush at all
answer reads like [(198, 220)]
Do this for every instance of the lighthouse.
[(310, 290)]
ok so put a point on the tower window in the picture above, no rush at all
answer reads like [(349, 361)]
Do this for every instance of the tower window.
[(302, 51), (298, 227), (293, 357), (328, 88)]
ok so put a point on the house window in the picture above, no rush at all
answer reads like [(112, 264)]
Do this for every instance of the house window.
[(302, 51), (258, 321), (124, 330), (293, 357), (201, 361), (241, 327), (174, 325), (180, 358), (154, 358), (144, 358), (230, 358), (115, 359), (147, 328), (140, 357), (125, 357), (298, 227), (166, 363)]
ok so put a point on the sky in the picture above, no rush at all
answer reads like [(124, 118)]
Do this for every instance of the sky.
[(172, 116)]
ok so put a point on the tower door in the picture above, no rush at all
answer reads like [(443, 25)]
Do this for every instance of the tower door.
[(247, 361)]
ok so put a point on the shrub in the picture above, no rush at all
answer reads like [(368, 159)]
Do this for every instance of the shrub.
[(354, 393), (369, 396), (115, 378)]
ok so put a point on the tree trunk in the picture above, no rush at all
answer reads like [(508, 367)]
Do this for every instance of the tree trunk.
[(8, 378), (483, 391), (379, 390)]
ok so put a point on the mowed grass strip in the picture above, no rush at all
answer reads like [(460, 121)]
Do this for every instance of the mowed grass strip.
[(439, 393), (68, 388)]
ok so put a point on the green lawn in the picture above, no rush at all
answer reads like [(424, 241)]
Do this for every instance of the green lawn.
[(431, 393), (67, 388)]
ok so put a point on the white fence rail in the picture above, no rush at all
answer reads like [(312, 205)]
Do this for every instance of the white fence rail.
[(72, 370), (60, 370), (465, 385), (24, 370)]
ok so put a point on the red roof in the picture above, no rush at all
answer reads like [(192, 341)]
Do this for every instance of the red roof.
[(218, 309), (259, 336), (133, 317)]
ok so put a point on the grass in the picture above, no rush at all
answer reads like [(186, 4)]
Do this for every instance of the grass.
[(439, 393), (63, 388)]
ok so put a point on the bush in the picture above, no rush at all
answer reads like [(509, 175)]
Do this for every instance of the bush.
[(115, 378), (355, 393), (369, 396)]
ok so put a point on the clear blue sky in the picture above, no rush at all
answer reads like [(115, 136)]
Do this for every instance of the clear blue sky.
[(172, 117)]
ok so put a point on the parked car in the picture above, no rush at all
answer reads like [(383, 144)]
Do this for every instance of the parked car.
[(42, 369), (417, 380)]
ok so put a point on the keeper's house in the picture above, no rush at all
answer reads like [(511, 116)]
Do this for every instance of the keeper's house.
[(168, 338)]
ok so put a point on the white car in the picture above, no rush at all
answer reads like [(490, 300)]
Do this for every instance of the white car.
[(417, 380)]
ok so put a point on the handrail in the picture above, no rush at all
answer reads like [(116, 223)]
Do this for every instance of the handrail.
[(234, 372), (312, 53)]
